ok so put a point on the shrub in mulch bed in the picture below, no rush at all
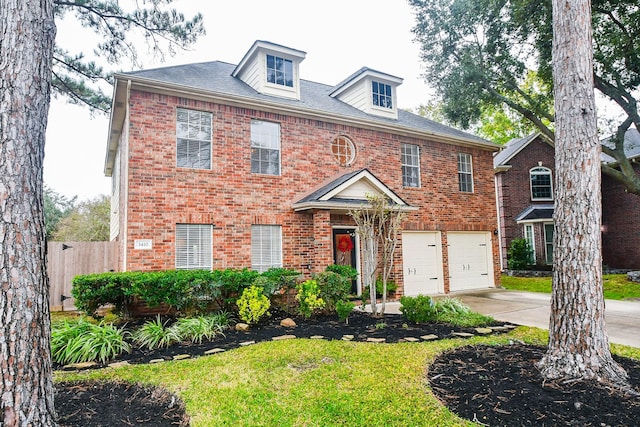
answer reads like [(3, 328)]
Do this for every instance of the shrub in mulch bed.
[(108, 403), (501, 386)]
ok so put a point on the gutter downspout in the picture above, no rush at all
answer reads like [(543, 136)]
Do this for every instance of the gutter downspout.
[(125, 177)]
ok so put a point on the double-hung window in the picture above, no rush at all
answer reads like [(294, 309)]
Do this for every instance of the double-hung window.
[(465, 173), (193, 247), (193, 135), (382, 95), (265, 147), (541, 186), (410, 159), (266, 247), (279, 71)]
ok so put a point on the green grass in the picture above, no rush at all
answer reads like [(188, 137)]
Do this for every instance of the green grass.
[(309, 383), (616, 286)]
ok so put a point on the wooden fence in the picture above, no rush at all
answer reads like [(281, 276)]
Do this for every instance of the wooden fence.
[(69, 259)]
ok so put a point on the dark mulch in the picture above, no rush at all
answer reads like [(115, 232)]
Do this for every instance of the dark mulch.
[(501, 386), (496, 386)]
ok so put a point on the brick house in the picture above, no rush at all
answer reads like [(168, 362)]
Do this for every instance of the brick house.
[(525, 171), (216, 165)]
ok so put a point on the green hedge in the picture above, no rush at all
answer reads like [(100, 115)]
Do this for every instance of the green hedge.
[(182, 290)]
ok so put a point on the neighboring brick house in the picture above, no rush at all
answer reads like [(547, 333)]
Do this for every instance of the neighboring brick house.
[(525, 173), (217, 165)]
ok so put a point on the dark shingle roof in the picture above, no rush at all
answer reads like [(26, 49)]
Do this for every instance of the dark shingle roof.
[(215, 77), (536, 213)]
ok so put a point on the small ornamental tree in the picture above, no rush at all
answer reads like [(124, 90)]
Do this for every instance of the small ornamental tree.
[(378, 227)]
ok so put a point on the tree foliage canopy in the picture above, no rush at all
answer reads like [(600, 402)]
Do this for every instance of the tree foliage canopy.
[(163, 29), (88, 221), (482, 55)]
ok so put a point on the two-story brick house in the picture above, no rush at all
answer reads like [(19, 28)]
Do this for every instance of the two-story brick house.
[(216, 165), (525, 172)]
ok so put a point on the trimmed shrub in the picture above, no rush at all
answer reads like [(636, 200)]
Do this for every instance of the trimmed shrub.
[(344, 309), (519, 255), (253, 305), (309, 298), (344, 270), (391, 288), (332, 287), (419, 309)]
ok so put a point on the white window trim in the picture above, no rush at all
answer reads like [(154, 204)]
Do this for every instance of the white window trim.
[(532, 242), (470, 172), (546, 243), (210, 141), (260, 148), (392, 96), (291, 88), (185, 264), (538, 171), (402, 146)]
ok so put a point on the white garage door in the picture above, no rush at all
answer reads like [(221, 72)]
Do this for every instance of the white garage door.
[(470, 261), (422, 263)]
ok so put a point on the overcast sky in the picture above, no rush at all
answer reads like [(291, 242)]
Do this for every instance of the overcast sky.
[(339, 37)]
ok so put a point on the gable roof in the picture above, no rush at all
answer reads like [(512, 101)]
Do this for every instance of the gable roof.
[(535, 213), (213, 81), (631, 145), (513, 147), (349, 191)]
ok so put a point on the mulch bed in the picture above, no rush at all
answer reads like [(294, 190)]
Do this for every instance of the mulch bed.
[(501, 386), (496, 386)]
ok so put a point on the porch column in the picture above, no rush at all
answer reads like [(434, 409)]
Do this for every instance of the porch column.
[(322, 246)]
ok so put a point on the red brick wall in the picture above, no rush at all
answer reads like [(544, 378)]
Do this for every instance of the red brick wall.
[(515, 187), (229, 196), (620, 225)]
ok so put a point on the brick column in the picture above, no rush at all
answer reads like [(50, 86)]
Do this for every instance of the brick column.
[(322, 245)]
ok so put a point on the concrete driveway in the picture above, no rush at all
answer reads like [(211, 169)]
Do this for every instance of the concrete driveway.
[(533, 309)]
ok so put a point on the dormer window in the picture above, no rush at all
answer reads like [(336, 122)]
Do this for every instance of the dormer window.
[(541, 187), (279, 71), (382, 95)]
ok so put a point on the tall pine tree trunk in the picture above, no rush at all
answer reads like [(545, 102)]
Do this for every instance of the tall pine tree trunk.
[(578, 341), (27, 33)]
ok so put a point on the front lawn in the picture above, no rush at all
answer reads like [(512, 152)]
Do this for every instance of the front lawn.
[(306, 382), (616, 286)]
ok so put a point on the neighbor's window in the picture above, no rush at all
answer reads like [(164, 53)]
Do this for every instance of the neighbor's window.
[(541, 186), (381, 95), (410, 159), (265, 147), (193, 134), (266, 247), (343, 149), (465, 172), (529, 237), (548, 243), (279, 71), (193, 247)]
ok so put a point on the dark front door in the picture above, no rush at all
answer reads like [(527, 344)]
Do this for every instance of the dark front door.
[(344, 251)]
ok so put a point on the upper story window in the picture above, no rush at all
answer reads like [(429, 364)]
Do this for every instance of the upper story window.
[(465, 172), (193, 135), (279, 71), (541, 184), (343, 149), (193, 247), (382, 95), (265, 147), (410, 159)]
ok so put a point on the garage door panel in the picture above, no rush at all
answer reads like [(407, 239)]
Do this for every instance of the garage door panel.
[(422, 263), (470, 260)]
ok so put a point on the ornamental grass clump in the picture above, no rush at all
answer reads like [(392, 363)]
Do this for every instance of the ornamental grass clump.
[(197, 329), (82, 341), (155, 334), (253, 305)]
